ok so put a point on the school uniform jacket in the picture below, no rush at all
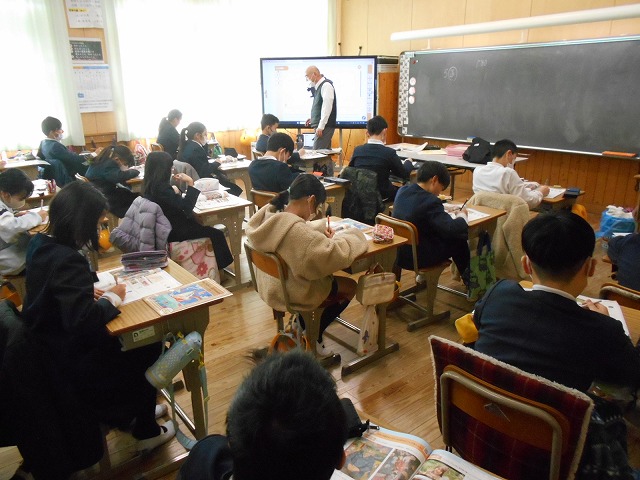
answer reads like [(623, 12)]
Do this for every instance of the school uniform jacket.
[(310, 256), (552, 336), (54, 150), (169, 138), (383, 161), (271, 175)]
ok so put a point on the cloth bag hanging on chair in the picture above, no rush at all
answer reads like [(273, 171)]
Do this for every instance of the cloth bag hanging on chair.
[(482, 268)]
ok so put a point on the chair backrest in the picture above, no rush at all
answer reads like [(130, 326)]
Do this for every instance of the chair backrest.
[(261, 197), (271, 264), (81, 178), (512, 423), (625, 296), (404, 229), (255, 154), (506, 241), (156, 147)]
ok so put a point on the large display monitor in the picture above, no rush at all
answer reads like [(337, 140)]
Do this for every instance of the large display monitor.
[(285, 94)]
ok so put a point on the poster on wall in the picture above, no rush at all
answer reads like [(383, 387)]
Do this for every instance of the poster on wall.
[(84, 13), (93, 88), (86, 50)]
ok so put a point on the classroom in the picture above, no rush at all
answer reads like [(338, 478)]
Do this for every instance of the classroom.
[(203, 58)]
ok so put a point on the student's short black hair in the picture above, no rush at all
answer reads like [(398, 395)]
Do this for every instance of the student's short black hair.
[(430, 169), (304, 185), (267, 120), (286, 421), (15, 182), (157, 172), (280, 140), (375, 125), (49, 124), (74, 214), (558, 243), (503, 146)]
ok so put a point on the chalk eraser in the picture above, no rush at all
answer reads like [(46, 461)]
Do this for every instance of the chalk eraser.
[(619, 154)]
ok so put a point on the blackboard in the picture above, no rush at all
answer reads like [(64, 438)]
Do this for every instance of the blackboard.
[(568, 96)]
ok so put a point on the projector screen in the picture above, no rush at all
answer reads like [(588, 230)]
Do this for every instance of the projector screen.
[(285, 95)]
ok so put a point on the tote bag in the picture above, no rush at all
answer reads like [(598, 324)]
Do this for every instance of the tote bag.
[(482, 268)]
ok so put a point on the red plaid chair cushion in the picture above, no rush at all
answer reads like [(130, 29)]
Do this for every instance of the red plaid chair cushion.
[(483, 446)]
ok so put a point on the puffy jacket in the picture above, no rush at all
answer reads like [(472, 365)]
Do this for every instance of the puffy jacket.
[(143, 228)]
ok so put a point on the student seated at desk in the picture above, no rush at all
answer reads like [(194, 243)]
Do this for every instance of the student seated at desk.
[(499, 176), (311, 251), (269, 126), (15, 187), (380, 159), (109, 172), (545, 331), (66, 319), (193, 141), (440, 236), (51, 148), (168, 136), (271, 172), (285, 422), (179, 209), (624, 252)]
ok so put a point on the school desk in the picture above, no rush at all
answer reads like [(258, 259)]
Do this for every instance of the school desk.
[(238, 171), (30, 167), (385, 255), (231, 215), (138, 324)]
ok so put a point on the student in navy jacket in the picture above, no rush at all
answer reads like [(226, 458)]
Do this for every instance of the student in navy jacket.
[(179, 209), (191, 150), (109, 172), (51, 148), (441, 237), (271, 172), (380, 159), (168, 136)]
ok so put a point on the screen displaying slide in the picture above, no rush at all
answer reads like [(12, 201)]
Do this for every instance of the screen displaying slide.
[(285, 94)]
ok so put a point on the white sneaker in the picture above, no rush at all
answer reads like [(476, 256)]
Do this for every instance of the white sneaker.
[(168, 431), (161, 410), (323, 351), (420, 278)]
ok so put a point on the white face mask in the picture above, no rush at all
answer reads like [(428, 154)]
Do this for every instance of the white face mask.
[(311, 84), (14, 203), (59, 136)]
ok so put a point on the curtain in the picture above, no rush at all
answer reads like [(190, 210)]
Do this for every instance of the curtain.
[(202, 57), (37, 75)]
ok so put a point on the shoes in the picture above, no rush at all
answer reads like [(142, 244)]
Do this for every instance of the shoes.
[(168, 431), (420, 279), (161, 410), (323, 351)]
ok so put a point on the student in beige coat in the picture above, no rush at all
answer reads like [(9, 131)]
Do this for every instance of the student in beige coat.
[(311, 251)]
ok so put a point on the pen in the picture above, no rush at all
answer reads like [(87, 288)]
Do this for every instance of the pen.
[(41, 204), (465, 202), (328, 221)]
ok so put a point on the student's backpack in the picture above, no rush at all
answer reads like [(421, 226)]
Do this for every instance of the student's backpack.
[(289, 338), (478, 152)]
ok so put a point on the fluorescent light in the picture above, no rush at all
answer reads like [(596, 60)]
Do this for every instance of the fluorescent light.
[(583, 16)]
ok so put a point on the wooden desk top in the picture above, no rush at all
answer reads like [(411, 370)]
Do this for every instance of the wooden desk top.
[(494, 213), (139, 314), (632, 317), (239, 165), (237, 204), (23, 163)]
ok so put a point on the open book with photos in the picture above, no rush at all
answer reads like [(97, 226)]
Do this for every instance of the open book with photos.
[(384, 454)]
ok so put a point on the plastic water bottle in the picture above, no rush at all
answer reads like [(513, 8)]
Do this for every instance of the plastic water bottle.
[(186, 349)]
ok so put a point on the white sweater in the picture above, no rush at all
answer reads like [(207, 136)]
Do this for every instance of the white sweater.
[(14, 237), (493, 177)]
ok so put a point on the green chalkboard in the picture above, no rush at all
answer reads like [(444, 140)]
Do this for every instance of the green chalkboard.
[(581, 96)]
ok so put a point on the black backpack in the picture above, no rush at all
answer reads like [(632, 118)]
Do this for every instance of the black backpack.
[(478, 152)]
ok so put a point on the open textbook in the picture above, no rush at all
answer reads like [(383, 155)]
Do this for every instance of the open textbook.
[(387, 455)]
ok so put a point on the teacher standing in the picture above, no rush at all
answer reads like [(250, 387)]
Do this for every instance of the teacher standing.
[(323, 109)]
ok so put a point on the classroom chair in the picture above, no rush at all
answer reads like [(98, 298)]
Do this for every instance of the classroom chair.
[(14, 288), (156, 147), (273, 265), (512, 423), (261, 197), (506, 242), (255, 154), (431, 274), (625, 296)]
